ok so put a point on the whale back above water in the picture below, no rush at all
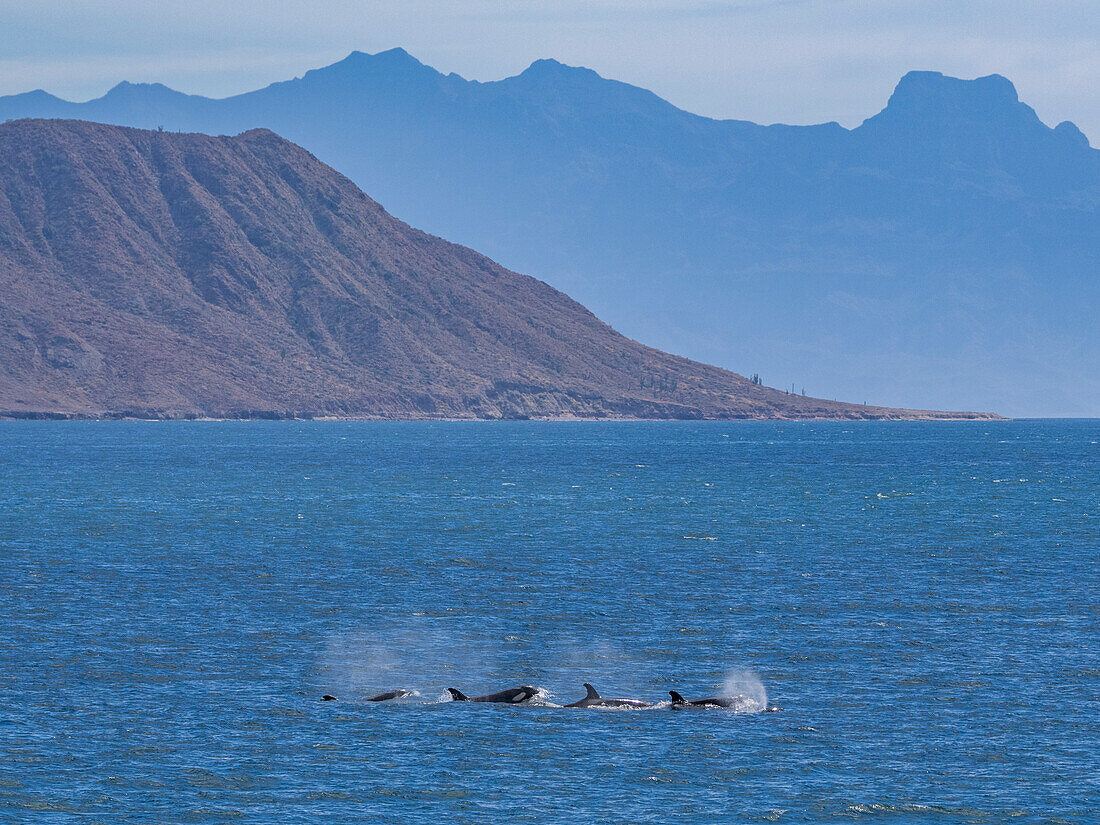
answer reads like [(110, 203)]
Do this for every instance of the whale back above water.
[(399, 693), (593, 699), (510, 696), (679, 701)]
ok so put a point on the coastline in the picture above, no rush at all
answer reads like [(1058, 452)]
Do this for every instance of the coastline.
[(891, 415)]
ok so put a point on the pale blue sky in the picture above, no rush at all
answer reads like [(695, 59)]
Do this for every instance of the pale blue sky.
[(792, 61)]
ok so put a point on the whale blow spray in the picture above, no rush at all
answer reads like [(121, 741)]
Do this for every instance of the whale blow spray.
[(746, 682)]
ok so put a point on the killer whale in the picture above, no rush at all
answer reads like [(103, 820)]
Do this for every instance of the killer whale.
[(679, 701), (400, 693), (593, 700), (510, 696)]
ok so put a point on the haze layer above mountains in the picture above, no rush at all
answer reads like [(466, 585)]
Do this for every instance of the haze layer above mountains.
[(942, 254)]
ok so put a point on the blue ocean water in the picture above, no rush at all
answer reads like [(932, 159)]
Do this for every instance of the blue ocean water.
[(921, 600)]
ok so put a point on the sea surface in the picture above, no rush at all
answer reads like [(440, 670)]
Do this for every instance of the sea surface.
[(922, 600)]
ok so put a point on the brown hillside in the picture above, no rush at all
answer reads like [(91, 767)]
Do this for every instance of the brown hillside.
[(155, 274)]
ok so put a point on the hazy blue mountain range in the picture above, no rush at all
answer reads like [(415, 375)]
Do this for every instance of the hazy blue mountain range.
[(943, 254)]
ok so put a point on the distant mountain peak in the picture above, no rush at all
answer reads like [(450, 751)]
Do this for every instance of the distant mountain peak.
[(391, 63), (1068, 130), (925, 99), (395, 57), (551, 80), (548, 68), (126, 90), (993, 89), (126, 86), (33, 97)]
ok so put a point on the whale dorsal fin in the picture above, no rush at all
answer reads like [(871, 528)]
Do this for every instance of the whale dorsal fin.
[(677, 699), (458, 695), (592, 694)]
